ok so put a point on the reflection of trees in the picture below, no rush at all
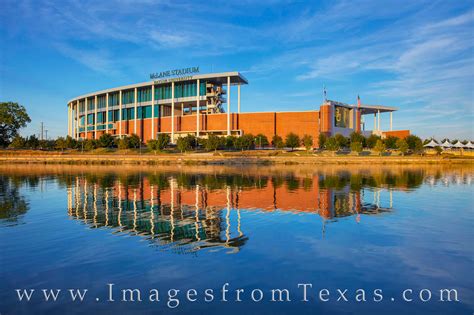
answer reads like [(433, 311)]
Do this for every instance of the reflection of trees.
[(12, 204), (292, 183), (403, 180)]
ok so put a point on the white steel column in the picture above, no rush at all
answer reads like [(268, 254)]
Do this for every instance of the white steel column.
[(120, 114), (86, 119), (375, 121), (107, 112), (153, 111), (238, 98), (71, 121), (95, 117), (228, 106), (391, 121), (172, 112), (136, 113), (68, 120), (197, 109), (378, 116), (77, 120)]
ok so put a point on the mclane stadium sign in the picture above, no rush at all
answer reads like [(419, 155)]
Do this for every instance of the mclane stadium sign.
[(174, 73)]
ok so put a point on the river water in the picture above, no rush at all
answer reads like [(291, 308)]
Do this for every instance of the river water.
[(333, 239)]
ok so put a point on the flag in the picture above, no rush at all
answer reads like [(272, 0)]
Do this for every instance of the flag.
[(358, 101)]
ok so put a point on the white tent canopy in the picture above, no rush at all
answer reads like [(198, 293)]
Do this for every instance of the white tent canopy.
[(458, 145), (446, 144), (431, 144), (469, 145)]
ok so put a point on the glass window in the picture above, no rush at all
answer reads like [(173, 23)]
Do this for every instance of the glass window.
[(90, 119)]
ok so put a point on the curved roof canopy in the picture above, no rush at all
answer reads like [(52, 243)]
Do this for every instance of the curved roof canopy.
[(221, 78), (431, 144), (446, 144)]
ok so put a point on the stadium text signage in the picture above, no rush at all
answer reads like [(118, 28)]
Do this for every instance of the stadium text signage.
[(174, 73)]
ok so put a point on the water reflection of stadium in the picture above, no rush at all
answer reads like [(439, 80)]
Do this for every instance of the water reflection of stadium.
[(190, 212)]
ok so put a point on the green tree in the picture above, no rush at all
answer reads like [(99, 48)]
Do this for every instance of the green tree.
[(153, 145), (341, 140), (47, 144), (183, 144), (163, 141), (261, 140), (390, 142), (212, 143), (134, 141), (419, 149), (402, 146), (277, 142), (438, 150), (332, 144), (248, 141), (372, 140), (71, 143), (379, 147), (13, 117), (105, 141), (357, 137), (18, 142), (413, 141), (229, 142), (322, 140), (33, 142), (192, 141), (292, 140), (89, 144), (356, 146), (123, 143), (307, 142), (61, 143)]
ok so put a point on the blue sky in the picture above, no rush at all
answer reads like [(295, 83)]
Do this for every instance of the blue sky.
[(415, 55)]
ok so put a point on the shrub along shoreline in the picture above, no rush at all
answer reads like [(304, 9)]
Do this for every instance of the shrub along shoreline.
[(247, 149), (259, 157)]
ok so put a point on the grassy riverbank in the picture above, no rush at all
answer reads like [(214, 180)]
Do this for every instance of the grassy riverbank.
[(269, 157)]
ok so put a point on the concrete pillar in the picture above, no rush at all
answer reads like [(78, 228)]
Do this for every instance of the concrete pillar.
[(391, 121), (378, 116), (136, 112), (228, 106), (86, 120), (95, 117), (120, 114), (107, 112), (375, 122), (153, 111), (238, 98), (197, 109), (172, 112)]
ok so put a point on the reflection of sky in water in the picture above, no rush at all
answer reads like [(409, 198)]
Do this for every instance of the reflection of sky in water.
[(389, 230)]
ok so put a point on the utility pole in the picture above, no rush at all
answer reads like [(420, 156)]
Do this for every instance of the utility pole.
[(46, 134)]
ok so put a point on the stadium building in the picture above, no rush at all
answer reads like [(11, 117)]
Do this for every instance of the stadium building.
[(200, 104)]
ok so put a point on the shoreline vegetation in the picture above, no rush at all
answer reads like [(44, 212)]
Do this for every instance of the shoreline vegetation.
[(254, 157)]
